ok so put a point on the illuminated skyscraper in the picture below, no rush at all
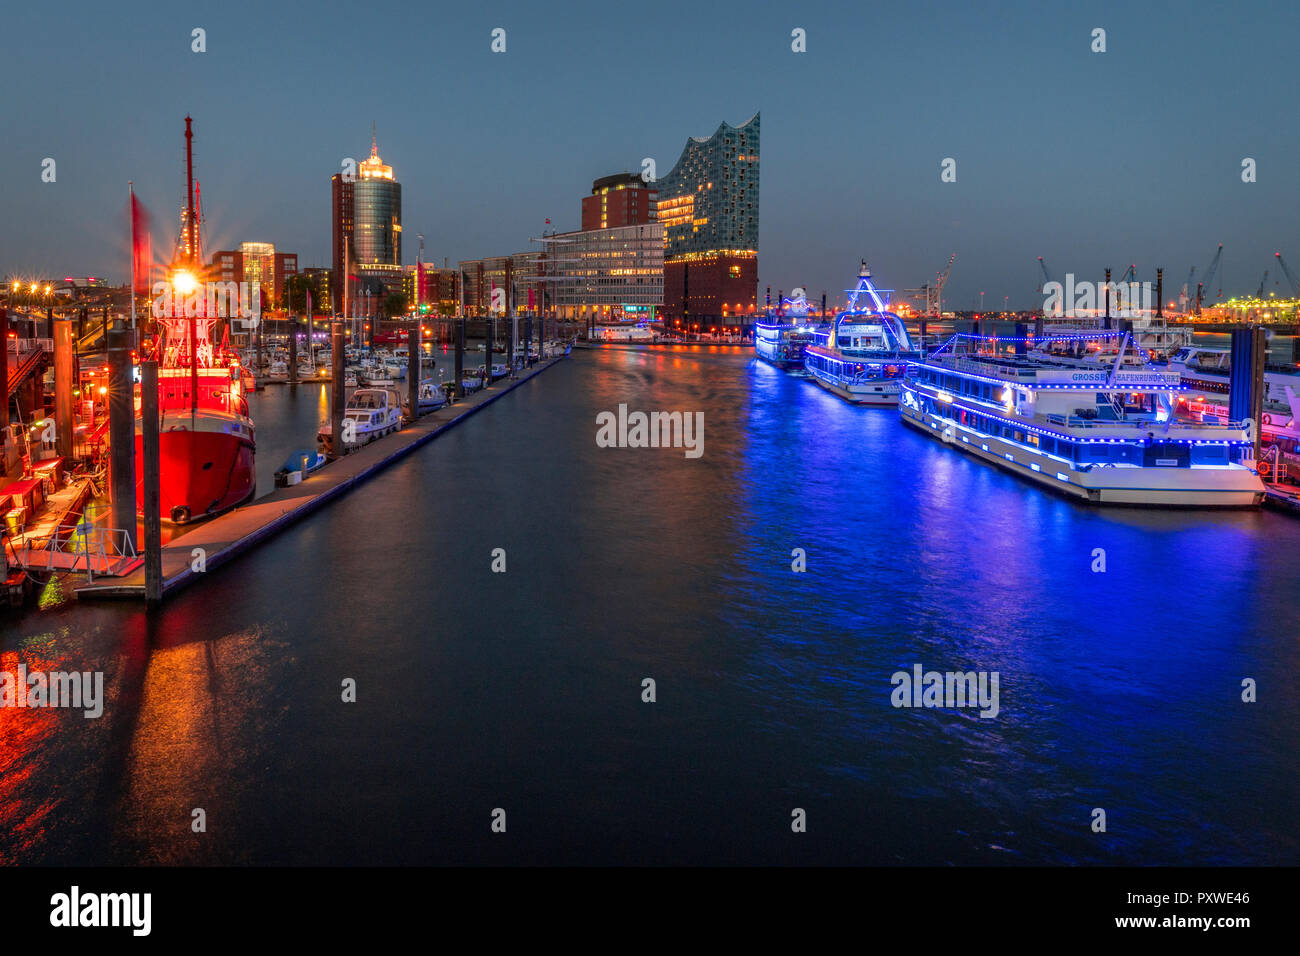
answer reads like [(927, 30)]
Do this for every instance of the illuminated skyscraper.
[(708, 205), (367, 213)]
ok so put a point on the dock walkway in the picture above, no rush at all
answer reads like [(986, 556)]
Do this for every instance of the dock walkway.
[(229, 535)]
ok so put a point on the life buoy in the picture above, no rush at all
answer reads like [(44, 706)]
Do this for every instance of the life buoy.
[(1267, 419), (1263, 468)]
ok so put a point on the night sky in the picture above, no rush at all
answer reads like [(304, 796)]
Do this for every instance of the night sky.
[(1087, 159)]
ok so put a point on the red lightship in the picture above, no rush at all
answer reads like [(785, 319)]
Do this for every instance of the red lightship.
[(206, 440)]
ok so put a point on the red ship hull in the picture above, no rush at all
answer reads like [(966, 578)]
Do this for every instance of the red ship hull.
[(204, 470)]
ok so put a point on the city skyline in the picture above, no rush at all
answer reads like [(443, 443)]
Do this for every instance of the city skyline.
[(1101, 159)]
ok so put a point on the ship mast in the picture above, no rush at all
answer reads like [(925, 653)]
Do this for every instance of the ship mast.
[(192, 250)]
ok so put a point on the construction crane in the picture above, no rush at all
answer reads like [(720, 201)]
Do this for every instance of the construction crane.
[(1290, 276), (1209, 277), (931, 294)]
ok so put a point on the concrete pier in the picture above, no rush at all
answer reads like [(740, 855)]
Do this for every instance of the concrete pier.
[(227, 536)]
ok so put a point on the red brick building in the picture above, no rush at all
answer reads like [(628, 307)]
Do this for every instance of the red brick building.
[(709, 288), (624, 199)]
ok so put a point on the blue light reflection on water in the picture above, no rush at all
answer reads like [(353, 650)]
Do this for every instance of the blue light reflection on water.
[(1118, 690)]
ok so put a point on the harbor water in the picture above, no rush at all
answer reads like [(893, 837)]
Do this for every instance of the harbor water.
[(524, 688)]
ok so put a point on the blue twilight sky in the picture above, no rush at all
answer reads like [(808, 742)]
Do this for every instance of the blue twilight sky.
[(1089, 160)]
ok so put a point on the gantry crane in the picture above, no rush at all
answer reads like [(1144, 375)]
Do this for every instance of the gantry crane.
[(931, 294)]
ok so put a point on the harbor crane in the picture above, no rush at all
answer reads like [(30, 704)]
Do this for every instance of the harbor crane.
[(1130, 274), (1290, 276), (931, 294), (1259, 293), (1209, 277), (1046, 277)]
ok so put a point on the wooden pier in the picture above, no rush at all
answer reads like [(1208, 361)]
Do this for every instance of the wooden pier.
[(229, 535)]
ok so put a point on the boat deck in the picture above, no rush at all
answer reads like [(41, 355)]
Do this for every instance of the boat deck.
[(227, 536)]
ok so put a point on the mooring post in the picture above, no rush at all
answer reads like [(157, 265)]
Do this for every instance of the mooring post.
[(1106, 318), (4, 376), (64, 425), (337, 392), (510, 347), (151, 493), (413, 369), (121, 431), (460, 357)]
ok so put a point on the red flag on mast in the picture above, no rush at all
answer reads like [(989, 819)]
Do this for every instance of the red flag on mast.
[(141, 247)]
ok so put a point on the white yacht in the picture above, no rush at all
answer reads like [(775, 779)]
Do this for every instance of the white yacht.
[(370, 413)]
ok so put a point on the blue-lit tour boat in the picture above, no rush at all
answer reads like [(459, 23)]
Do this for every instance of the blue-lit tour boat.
[(1103, 434), (782, 342), (862, 354)]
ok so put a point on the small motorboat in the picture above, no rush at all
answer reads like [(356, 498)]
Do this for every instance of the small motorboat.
[(297, 467), (431, 398), (370, 413)]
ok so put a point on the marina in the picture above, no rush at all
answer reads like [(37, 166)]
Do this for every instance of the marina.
[(226, 537)]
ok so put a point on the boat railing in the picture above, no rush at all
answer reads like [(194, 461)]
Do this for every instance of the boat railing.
[(1142, 425), (89, 546), (992, 369)]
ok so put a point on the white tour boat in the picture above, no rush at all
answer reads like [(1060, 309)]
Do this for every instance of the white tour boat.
[(1102, 435)]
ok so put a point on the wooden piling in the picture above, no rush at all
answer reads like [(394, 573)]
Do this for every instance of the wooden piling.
[(338, 393), (460, 357), (413, 369)]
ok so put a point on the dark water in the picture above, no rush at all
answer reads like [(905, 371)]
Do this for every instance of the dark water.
[(522, 690)]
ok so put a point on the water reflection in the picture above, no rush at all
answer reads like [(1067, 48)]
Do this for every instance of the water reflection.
[(479, 689)]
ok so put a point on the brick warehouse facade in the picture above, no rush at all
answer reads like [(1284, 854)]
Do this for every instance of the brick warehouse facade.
[(712, 289)]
